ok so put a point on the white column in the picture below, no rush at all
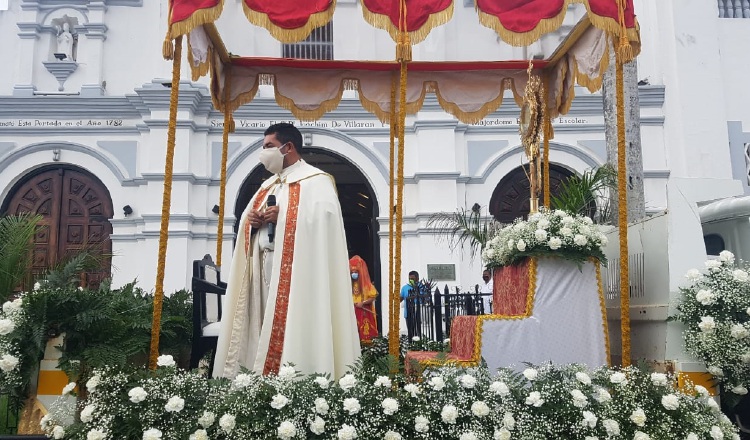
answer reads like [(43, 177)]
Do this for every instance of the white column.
[(91, 49), (28, 33)]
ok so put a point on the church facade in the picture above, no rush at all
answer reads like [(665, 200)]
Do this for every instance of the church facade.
[(84, 99)]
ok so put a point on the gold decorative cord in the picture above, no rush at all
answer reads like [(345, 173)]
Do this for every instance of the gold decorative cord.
[(622, 198), (603, 304), (228, 127), (166, 203), (403, 54)]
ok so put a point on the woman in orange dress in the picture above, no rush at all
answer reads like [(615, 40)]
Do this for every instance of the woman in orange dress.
[(364, 294)]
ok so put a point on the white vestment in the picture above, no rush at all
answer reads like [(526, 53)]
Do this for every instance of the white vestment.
[(487, 288), (308, 316)]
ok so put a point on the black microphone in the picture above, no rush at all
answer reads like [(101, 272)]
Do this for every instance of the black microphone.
[(271, 201)]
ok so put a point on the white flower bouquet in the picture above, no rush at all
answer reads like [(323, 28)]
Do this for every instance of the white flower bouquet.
[(546, 233), (465, 404), (715, 308), (11, 376)]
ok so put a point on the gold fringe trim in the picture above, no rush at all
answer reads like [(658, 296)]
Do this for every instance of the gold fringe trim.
[(382, 21), (591, 84), (288, 36), (475, 116), (198, 70), (551, 24), (603, 304), (612, 26), (545, 26), (197, 18), (237, 101), (309, 115)]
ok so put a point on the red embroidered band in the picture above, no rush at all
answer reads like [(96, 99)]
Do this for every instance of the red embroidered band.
[(259, 199), (276, 343)]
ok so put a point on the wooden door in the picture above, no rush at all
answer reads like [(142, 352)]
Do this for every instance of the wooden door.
[(510, 200), (75, 209)]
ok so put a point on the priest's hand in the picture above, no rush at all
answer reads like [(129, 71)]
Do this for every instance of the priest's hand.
[(256, 219), (271, 214)]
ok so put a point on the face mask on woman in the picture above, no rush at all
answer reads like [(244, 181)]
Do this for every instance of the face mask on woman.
[(355, 276)]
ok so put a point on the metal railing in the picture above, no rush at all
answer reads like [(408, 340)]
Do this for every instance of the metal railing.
[(430, 314), (734, 8)]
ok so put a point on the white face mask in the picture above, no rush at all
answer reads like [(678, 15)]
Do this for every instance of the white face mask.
[(272, 159)]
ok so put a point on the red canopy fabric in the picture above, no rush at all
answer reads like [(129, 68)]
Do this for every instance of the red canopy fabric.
[(289, 21), (521, 22), (518, 22), (421, 16), (186, 15)]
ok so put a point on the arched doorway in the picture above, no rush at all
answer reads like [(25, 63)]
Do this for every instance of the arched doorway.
[(75, 207), (359, 207), (510, 200)]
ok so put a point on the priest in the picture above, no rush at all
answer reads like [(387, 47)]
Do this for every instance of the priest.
[(288, 297)]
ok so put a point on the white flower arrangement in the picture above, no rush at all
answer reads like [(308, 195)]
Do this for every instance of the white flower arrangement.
[(570, 401), (546, 233), (11, 316), (713, 308)]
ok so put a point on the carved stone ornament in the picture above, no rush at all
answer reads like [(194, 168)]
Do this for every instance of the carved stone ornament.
[(61, 70)]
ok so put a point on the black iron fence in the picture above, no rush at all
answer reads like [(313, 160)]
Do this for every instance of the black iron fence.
[(429, 313)]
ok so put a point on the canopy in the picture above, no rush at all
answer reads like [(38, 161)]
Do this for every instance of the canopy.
[(582, 58), (467, 90)]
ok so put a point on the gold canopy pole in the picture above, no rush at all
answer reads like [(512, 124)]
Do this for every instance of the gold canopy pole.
[(228, 128), (547, 135), (166, 202), (403, 55), (623, 54), (394, 309)]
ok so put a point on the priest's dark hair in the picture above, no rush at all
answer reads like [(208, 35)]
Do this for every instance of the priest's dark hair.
[(286, 132)]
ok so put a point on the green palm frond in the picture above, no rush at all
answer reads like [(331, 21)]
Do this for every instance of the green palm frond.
[(586, 194), (464, 227), (16, 242)]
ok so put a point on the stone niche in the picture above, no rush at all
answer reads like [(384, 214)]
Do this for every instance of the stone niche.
[(63, 49)]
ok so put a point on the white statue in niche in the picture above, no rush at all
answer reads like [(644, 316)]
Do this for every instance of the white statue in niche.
[(65, 43)]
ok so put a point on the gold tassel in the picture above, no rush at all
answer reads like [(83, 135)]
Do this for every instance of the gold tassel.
[(167, 49), (232, 125), (403, 48), (624, 49)]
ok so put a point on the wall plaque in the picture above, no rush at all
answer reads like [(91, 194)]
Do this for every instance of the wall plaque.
[(441, 272)]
